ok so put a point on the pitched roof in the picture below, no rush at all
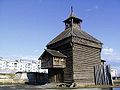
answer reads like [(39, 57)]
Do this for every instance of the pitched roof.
[(73, 32), (72, 15), (103, 61), (55, 53)]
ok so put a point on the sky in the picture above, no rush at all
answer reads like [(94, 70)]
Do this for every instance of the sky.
[(26, 26)]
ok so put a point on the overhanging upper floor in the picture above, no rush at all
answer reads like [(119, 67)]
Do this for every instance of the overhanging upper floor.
[(52, 59)]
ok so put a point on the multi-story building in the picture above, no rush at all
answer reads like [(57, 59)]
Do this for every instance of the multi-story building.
[(2, 64), (74, 55), (113, 72), (12, 66), (21, 67)]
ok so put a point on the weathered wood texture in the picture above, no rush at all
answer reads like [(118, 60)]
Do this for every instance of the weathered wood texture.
[(66, 49), (81, 59), (59, 62), (83, 52), (86, 42), (47, 61), (84, 60), (60, 43), (55, 75), (102, 75)]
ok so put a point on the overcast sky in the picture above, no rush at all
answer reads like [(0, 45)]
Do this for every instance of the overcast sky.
[(26, 26)]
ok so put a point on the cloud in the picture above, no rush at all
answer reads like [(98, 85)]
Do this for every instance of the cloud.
[(108, 51), (111, 54), (112, 57), (92, 8)]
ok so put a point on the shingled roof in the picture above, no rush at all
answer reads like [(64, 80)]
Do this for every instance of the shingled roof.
[(73, 32), (55, 53), (73, 28)]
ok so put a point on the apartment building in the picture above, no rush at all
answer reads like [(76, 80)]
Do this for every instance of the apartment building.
[(22, 65)]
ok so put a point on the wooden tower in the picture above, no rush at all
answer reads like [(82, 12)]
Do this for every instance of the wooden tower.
[(77, 50)]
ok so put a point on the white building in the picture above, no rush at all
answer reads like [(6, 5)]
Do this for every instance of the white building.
[(7, 66), (2, 64), (113, 72), (11, 65), (21, 65), (34, 67)]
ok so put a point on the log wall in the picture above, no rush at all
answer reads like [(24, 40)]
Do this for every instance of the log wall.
[(66, 49), (47, 61), (84, 60), (82, 56)]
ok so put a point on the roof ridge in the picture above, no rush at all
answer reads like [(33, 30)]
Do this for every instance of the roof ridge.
[(55, 53), (60, 38), (73, 32), (90, 36)]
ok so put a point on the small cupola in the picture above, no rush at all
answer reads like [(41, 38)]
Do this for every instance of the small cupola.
[(72, 21)]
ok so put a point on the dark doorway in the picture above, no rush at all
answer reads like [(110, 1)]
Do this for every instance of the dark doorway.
[(56, 75)]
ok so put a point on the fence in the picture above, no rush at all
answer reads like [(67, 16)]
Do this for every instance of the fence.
[(102, 74)]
